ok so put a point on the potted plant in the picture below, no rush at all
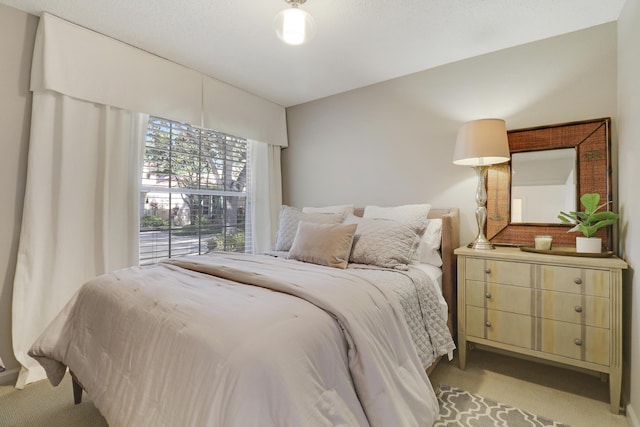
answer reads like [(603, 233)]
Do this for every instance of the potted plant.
[(589, 222)]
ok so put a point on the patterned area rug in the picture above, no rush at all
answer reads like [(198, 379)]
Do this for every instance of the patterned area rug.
[(459, 408)]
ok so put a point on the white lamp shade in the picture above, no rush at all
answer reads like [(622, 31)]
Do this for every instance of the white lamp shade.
[(294, 26), (482, 142)]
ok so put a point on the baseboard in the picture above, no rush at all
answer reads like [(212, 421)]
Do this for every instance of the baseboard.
[(631, 417), (9, 376)]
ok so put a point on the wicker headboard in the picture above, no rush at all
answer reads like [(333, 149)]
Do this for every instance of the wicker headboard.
[(450, 241)]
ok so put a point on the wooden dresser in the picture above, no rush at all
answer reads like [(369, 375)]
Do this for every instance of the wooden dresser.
[(566, 309)]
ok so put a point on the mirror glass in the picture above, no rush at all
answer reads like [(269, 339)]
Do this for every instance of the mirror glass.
[(543, 183)]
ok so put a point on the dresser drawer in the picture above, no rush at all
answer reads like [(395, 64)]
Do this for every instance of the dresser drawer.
[(500, 326), (504, 272), (574, 308), (575, 280), (575, 341), (514, 299)]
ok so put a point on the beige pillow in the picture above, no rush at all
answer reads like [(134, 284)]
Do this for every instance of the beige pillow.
[(323, 244)]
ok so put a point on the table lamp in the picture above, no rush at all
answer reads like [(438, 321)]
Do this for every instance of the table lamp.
[(481, 143)]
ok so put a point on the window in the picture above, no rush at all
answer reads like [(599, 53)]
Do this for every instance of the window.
[(193, 192)]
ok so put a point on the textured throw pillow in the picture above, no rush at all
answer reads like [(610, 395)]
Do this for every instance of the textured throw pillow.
[(323, 244), (289, 219), (342, 210), (429, 249), (410, 213), (385, 243)]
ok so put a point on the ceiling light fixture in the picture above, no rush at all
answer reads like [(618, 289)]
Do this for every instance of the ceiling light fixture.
[(294, 26)]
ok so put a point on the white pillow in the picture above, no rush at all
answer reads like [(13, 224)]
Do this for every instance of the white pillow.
[(429, 250), (404, 213), (342, 210), (290, 217)]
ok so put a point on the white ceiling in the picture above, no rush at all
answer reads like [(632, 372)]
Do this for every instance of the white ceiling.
[(357, 42)]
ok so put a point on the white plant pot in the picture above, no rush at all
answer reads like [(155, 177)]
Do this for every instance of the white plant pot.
[(591, 245)]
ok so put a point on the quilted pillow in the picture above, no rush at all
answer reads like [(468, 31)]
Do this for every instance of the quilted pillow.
[(323, 244), (429, 248), (385, 243), (290, 217)]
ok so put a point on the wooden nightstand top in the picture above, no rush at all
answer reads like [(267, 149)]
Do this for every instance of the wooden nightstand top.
[(515, 254)]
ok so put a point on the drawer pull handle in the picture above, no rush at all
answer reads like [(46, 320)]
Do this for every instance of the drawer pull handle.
[(578, 309), (487, 324), (578, 342), (577, 281), (487, 295), (487, 270)]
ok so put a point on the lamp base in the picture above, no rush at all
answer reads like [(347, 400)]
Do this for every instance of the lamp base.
[(481, 242), (481, 245)]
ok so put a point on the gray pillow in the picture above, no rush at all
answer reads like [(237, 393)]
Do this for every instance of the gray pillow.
[(385, 243), (290, 217), (323, 244)]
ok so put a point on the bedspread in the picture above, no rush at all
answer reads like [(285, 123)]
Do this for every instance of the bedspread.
[(426, 319), (185, 343)]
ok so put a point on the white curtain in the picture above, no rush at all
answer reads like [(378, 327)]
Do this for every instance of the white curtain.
[(80, 214), (266, 194)]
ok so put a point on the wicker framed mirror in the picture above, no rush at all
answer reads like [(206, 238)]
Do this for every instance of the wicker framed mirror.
[(591, 140)]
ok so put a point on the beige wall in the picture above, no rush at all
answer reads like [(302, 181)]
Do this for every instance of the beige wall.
[(17, 34), (629, 176), (392, 142)]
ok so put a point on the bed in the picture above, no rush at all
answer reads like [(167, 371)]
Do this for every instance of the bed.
[(258, 340)]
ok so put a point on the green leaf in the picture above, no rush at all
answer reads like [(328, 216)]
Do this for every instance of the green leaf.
[(565, 218), (602, 216), (588, 230), (590, 202)]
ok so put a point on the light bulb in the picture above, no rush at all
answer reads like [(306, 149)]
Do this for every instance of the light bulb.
[(294, 26)]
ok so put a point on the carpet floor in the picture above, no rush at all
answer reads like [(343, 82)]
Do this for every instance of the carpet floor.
[(578, 399)]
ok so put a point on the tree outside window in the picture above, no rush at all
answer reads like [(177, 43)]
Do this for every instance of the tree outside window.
[(194, 191)]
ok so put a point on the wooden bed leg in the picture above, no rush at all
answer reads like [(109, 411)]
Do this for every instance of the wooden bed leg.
[(77, 390)]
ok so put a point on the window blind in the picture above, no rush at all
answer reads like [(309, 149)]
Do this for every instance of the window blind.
[(193, 191)]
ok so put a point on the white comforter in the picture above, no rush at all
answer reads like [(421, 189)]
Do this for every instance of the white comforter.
[(184, 344)]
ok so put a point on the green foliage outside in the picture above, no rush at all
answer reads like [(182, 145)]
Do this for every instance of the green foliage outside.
[(235, 243), (201, 225), (151, 221)]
